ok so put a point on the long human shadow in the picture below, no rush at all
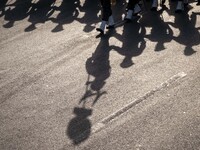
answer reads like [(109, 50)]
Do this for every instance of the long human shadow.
[(98, 68), (40, 13), (133, 43), (68, 12), (19, 12), (161, 32), (189, 35)]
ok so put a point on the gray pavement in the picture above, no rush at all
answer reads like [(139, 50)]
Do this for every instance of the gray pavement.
[(58, 81), (169, 119)]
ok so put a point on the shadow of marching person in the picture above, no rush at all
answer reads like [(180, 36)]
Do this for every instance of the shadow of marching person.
[(133, 42), (68, 12), (2, 7), (161, 32), (189, 35), (40, 13), (19, 12), (90, 18), (98, 66)]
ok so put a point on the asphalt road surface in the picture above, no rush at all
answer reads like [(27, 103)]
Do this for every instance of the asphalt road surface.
[(64, 87)]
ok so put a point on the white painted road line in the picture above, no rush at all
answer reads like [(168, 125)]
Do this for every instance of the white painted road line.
[(140, 99), (98, 126)]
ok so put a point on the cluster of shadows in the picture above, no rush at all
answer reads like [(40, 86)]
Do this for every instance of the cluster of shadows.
[(98, 65), (133, 44), (41, 11)]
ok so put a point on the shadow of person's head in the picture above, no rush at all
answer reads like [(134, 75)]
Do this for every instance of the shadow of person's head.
[(79, 128)]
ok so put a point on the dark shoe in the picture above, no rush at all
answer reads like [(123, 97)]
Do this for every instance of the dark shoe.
[(110, 27), (100, 30)]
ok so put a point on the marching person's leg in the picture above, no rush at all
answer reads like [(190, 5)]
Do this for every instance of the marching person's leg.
[(137, 9), (154, 5), (107, 18), (180, 5), (131, 6)]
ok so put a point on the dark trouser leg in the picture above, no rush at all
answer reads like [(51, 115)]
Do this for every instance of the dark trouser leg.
[(106, 9), (179, 6), (130, 7), (154, 5), (131, 4), (107, 18)]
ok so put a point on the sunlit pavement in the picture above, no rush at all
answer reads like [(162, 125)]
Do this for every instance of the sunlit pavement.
[(63, 87)]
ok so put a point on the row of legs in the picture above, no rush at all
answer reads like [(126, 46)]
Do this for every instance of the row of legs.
[(107, 18), (132, 8), (179, 8)]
